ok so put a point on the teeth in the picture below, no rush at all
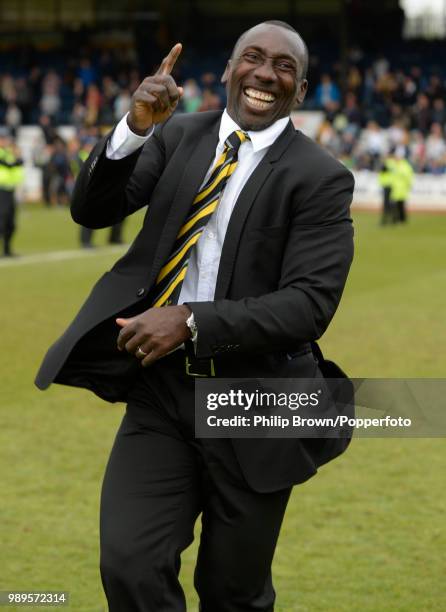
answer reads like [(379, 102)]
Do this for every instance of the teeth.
[(259, 95), (258, 103)]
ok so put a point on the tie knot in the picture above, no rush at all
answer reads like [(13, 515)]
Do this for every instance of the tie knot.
[(234, 140)]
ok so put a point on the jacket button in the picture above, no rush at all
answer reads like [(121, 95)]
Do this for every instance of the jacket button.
[(140, 292)]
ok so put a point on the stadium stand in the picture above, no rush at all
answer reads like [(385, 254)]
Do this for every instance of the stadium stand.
[(366, 96)]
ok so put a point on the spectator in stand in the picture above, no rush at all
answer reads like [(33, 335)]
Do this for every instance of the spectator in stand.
[(409, 92), (368, 92), (50, 101), (354, 80), (348, 142), (78, 91), (134, 80), (192, 98), (327, 92), (93, 102), (351, 110), (13, 118), (417, 151), (109, 91), (78, 114), (435, 89), (23, 98), (59, 173), (107, 63), (417, 75), (399, 116), (422, 114), (439, 111), (210, 101), (86, 73), (329, 139), (7, 88), (48, 131), (435, 150), (34, 84), (386, 86), (122, 104), (372, 146), (381, 66), (397, 135)]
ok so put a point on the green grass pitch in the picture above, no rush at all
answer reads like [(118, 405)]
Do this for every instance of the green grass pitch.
[(366, 534)]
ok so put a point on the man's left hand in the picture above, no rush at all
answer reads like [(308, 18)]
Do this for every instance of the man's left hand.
[(155, 332)]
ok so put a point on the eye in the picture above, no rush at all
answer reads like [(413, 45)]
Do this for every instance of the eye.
[(251, 56), (286, 66)]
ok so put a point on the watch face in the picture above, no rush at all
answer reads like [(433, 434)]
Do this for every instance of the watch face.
[(190, 320)]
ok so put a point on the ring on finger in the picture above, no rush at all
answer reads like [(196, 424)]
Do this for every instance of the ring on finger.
[(140, 353)]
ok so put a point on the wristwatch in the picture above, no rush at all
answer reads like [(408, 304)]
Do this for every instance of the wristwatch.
[(190, 322)]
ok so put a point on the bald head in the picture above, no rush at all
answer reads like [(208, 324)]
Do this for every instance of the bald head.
[(265, 76), (293, 35)]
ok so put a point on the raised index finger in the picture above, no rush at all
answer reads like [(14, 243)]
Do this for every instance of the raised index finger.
[(169, 61)]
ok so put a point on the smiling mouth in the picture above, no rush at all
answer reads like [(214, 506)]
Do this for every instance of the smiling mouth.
[(256, 98)]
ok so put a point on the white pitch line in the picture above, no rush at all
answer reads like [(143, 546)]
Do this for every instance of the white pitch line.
[(9, 262)]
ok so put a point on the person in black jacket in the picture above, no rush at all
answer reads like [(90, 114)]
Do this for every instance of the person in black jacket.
[(243, 293)]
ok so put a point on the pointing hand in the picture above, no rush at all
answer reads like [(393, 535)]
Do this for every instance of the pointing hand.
[(156, 97)]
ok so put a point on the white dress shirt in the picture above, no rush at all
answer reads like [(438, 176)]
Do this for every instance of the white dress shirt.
[(201, 277)]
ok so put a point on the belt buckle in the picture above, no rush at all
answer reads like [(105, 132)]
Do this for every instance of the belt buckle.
[(189, 371)]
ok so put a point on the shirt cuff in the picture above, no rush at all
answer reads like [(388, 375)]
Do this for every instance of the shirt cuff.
[(124, 142)]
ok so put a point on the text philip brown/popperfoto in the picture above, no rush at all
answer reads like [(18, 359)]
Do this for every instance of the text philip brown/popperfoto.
[(259, 400)]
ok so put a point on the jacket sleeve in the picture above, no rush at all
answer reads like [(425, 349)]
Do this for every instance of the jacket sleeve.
[(106, 191), (316, 262)]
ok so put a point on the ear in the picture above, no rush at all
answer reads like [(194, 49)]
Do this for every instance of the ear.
[(225, 75), (302, 91)]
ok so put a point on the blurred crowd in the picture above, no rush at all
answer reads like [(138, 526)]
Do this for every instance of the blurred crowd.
[(368, 109), (60, 160), (86, 93), (381, 109)]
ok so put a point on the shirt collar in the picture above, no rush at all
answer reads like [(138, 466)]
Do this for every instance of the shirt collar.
[(260, 139)]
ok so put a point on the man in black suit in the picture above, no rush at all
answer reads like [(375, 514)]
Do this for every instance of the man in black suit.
[(256, 285)]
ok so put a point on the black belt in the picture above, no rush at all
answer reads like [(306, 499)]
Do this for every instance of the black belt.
[(195, 366)]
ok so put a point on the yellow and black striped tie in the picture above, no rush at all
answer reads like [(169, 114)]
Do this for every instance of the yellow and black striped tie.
[(169, 281)]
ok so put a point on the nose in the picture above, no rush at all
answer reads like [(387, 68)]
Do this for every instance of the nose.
[(265, 71)]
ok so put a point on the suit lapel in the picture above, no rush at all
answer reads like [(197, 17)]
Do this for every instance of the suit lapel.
[(243, 206), (195, 169)]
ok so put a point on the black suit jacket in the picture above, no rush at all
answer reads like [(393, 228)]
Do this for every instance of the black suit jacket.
[(283, 267)]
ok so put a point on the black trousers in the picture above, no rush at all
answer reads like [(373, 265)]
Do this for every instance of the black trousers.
[(7, 218), (158, 480), (400, 214), (387, 210)]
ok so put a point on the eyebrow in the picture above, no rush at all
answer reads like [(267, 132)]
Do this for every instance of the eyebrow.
[(277, 56)]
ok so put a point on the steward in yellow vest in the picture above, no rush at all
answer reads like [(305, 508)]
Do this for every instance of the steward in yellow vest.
[(11, 175), (401, 186), (385, 178)]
